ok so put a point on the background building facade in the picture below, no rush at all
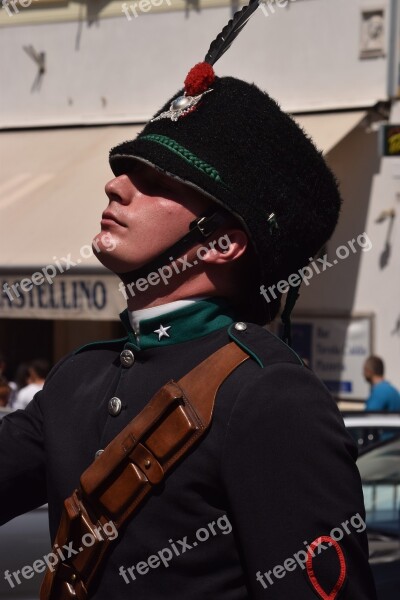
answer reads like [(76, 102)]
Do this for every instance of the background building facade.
[(78, 77)]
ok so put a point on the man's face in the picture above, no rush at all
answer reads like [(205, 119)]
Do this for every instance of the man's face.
[(147, 213)]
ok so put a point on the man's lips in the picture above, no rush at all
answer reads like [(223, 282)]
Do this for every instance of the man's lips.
[(108, 218)]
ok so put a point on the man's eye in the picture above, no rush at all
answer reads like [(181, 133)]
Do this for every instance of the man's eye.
[(166, 188)]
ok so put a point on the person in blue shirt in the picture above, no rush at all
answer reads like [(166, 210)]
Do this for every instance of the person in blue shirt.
[(384, 396)]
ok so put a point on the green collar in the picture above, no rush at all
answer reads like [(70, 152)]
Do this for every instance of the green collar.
[(188, 323)]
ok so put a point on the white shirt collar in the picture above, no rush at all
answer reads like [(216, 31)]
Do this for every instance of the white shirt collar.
[(136, 316)]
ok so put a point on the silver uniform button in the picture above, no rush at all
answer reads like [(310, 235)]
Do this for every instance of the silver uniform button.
[(127, 358), (98, 453), (240, 326), (114, 406)]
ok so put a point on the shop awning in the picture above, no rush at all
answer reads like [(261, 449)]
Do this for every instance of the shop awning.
[(52, 185), (51, 200), (52, 192), (328, 129)]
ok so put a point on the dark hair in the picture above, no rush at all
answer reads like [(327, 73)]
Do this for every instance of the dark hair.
[(40, 366), (5, 391), (21, 375), (376, 365), (3, 381)]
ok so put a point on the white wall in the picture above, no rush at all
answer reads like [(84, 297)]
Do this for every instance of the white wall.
[(367, 281), (378, 285), (306, 55)]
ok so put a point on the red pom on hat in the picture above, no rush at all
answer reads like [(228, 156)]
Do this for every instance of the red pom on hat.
[(199, 79)]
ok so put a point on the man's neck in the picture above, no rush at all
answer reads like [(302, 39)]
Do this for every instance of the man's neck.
[(187, 285), (150, 298)]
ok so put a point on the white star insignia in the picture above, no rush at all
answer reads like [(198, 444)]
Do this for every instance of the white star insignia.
[(162, 331)]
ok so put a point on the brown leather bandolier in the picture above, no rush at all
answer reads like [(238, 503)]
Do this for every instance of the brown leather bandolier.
[(136, 460)]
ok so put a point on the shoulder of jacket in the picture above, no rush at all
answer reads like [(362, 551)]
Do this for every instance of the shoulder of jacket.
[(115, 345), (262, 345), (68, 360)]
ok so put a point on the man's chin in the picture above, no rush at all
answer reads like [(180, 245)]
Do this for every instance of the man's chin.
[(111, 262)]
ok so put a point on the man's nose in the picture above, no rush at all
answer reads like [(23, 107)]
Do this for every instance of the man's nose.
[(120, 189)]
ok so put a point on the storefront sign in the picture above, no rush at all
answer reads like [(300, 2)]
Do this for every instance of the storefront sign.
[(88, 297), (335, 349)]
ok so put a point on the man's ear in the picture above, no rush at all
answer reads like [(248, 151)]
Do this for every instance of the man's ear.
[(225, 248)]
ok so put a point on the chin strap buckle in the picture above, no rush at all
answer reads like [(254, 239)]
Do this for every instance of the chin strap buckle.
[(207, 224)]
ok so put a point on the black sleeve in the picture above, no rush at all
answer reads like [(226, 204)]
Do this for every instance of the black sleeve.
[(22, 462), (294, 491), (22, 458)]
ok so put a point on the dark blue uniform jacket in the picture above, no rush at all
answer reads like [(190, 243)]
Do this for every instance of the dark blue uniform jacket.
[(239, 517)]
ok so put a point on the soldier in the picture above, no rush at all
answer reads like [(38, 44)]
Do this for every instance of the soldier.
[(220, 194)]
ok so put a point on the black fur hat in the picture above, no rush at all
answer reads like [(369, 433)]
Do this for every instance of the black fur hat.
[(230, 140)]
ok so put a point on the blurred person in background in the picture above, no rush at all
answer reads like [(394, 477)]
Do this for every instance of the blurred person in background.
[(21, 380), (2, 363), (37, 373), (11, 384), (5, 392), (384, 396)]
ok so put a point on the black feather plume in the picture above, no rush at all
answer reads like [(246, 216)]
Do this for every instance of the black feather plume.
[(224, 40)]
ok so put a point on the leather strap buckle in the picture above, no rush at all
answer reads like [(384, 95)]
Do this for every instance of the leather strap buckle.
[(147, 462), (207, 224)]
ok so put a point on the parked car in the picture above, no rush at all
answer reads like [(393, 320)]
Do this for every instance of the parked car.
[(379, 467), (23, 541), (26, 539), (371, 428), (378, 438)]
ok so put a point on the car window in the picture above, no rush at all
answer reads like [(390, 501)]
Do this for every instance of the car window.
[(365, 436), (380, 474)]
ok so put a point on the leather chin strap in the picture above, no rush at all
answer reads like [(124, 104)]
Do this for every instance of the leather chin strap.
[(199, 230)]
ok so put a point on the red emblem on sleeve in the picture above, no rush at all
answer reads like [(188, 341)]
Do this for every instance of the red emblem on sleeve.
[(310, 571)]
